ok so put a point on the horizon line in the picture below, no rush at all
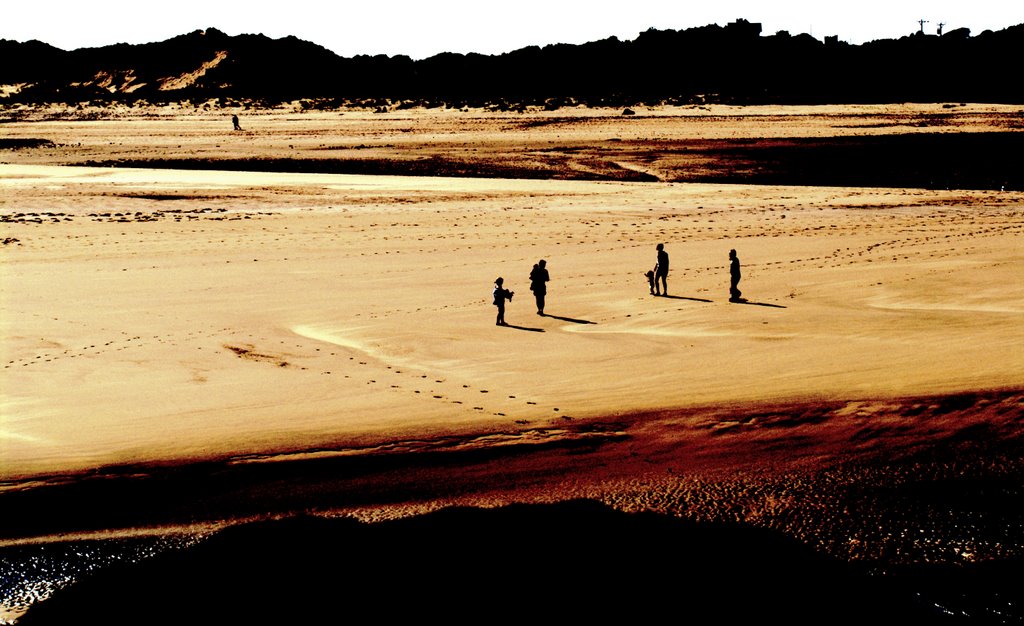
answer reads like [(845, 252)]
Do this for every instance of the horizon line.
[(218, 29)]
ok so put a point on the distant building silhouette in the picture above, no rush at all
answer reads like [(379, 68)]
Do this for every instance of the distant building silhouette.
[(744, 28)]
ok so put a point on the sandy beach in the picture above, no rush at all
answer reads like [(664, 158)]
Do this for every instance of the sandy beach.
[(190, 339)]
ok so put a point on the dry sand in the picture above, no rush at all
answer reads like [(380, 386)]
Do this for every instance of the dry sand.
[(289, 311), (155, 317), (168, 315)]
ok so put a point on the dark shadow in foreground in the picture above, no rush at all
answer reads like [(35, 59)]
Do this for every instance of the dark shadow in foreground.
[(568, 319), (683, 298), (745, 301), (576, 560)]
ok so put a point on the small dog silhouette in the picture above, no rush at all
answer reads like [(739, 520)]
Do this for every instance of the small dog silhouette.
[(650, 280)]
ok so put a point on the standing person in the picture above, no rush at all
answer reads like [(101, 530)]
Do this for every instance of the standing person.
[(734, 277), (538, 277), (234, 121), (500, 295), (661, 271)]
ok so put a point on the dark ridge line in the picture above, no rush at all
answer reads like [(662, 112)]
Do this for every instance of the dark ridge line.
[(738, 65)]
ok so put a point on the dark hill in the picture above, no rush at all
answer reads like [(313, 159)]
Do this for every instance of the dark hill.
[(574, 561), (732, 63)]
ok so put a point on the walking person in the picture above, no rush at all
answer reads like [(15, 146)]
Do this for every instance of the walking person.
[(500, 295), (538, 284), (661, 272), (734, 277), (234, 122)]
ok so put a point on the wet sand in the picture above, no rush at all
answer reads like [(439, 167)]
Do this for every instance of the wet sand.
[(184, 348)]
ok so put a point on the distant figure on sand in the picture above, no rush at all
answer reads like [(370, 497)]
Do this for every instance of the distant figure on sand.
[(500, 295), (234, 121), (734, 277), (538, 277), (661, 271)]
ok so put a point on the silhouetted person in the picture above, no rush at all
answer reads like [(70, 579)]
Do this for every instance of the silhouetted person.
[(661, 271), (500, 295), (234, 121), (734, 277), (538, 279)]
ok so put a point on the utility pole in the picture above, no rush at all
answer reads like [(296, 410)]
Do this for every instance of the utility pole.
[(922, 23)]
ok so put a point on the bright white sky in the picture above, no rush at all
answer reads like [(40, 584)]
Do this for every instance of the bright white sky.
[(421, 28)]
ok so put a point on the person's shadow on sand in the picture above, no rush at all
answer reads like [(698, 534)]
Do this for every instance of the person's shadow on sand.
[(568, 319), (745, 301), (684, 298), (532, 330)]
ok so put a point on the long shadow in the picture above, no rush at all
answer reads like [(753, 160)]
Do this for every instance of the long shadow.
[(684, 298), (532, 330), (568, 319), (744, 301)]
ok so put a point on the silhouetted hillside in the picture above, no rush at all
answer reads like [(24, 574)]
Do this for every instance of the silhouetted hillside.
[(573, 561), (732, 63)]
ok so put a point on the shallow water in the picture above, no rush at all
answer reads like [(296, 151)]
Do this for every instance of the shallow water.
[(32, 573)]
